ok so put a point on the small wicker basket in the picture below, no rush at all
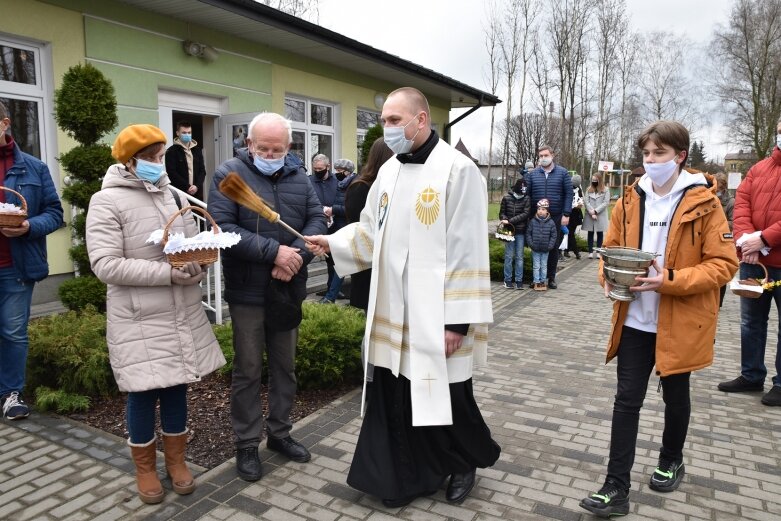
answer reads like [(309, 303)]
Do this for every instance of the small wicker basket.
[(751, 282), (202, 256), (505, 232), (13, 220)]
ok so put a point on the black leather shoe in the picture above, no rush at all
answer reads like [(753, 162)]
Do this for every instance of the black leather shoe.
[(741, 385), (248, 464), (289, 448), (552, 284), (460, 486), (404, 501)]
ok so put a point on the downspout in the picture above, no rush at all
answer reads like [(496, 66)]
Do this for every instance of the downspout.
[(446, 131)]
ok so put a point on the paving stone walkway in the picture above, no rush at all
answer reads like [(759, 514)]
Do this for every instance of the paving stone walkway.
[(546, 395)]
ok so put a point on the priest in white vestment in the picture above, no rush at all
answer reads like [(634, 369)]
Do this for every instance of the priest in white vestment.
[(423, 231)]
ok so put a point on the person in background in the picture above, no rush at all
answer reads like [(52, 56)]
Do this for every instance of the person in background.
[(671, 325), (325, 185), (22, 260), (423, 232), (344, 171), (268, 264), (575, 218), (552, 182), (728, 205), (184, 162), (515, 210), (596, 202), (541, 236), (158, 336), (757, 229), (354, 201)]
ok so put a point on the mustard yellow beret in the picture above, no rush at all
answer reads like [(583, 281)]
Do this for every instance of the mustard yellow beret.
[(133, 138)]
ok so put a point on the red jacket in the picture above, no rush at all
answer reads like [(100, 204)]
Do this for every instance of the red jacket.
[(758, 206)]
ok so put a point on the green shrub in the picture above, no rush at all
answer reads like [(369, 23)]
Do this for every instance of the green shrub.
[(372, 134), (224, 334), (79, 292), (68, 353), (59, 401), (85, 105), (88, 162)]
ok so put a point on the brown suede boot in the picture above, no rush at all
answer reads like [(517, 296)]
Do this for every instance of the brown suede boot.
[(174, 446), (145, 457)]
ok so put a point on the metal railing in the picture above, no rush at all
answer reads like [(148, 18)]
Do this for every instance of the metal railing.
[(213, 290)]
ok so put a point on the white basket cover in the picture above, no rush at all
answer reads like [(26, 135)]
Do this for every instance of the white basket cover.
[(177, 242)]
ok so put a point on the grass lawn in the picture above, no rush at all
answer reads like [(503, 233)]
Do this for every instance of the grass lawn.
[(493, 211)]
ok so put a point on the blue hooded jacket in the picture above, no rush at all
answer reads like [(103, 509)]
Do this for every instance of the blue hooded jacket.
[(556, 188)]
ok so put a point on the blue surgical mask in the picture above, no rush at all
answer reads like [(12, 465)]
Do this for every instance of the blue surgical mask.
[(186, 138), (268, 166), (149, 171), (396, 140)]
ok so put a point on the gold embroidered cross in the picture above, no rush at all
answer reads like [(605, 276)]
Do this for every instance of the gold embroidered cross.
[(428, 381)]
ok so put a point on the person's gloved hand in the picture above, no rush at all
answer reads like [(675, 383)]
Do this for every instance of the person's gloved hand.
[(564, 229), (189, 274)]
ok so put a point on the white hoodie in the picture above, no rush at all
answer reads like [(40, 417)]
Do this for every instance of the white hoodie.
[(659, 210)]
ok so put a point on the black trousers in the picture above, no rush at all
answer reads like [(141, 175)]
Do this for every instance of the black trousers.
[(553, 256), (636, 359)]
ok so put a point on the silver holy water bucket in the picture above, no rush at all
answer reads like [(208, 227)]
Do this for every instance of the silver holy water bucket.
[(620, 267)]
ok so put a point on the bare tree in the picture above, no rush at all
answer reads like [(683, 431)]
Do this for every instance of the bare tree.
[(568, 28), (665, 91), (611, 26), (492, 37), (511, 44), (529, 10), (626, 60), (748, 50), (306, 9)]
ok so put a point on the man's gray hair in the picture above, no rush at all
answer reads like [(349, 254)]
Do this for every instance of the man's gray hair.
[(271, 117), (321, 157)]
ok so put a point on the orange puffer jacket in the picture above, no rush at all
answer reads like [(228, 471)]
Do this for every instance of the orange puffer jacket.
[(699, 259), (758, 207)]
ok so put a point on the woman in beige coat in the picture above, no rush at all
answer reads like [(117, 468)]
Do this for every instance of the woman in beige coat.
[(159, 338)]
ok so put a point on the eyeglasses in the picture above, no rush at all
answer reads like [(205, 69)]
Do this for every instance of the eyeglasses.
[(269, 154)]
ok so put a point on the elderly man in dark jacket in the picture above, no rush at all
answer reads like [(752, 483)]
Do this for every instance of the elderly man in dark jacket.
[(264, 274), (552, 182)]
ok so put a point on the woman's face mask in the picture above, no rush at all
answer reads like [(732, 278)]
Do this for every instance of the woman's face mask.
[(149, 171)]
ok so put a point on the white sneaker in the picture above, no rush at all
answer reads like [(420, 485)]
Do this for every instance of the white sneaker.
[(14, 407), (591, 255)]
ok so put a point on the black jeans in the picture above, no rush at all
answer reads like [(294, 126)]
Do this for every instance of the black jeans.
[(636, 359), (553, 257)]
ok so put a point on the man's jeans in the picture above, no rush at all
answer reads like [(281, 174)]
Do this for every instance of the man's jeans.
[(334, 287), (513, 250), (15, 298), (754, 314), (540, 266), (141, 412)]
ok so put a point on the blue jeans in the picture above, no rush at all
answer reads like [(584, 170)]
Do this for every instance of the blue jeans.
[(334, 287), (16, 296), (754, 314), (513, 250), (141, 412), (540, 265)]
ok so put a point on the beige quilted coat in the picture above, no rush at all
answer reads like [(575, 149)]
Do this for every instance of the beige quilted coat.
[(158, 334)]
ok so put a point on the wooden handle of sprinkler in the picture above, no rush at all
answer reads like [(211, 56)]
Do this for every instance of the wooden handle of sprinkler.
[(294, 232)]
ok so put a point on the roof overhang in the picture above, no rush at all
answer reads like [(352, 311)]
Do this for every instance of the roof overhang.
[(256, 22)]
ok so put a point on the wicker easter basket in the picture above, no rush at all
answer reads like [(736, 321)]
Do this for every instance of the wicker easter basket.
[(202, 256), (505, 232), (751, 282), (12, 219)]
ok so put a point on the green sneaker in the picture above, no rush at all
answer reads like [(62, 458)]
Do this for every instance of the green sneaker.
[(667, 476), (610, 501)]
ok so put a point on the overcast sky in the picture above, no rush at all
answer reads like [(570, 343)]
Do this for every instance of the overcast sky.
[(448, 37)]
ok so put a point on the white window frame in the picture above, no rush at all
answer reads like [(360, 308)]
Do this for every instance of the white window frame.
[(42, 92), (309, 128)]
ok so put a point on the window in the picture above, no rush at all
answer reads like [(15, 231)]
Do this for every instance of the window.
[(366, 119), (23, 92), (313, 128)]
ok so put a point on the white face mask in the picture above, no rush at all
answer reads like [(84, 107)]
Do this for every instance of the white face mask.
[(778, 140), (396, 140), (546, 161), (660, 173)]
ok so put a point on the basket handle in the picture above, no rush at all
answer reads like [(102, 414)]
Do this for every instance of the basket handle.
[(181, 212), (767, 276), (20, 196)]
